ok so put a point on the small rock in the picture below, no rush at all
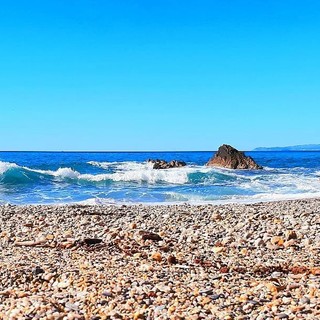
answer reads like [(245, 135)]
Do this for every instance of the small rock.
[(218, 249), (293, 286), (107, 294), (38, 270), (259, 243), (28, 224), (305, 300), (63, 284), (277, 241), (276, 274), (216, 217), (145, 267), (49, 236), (291, 234), (162, 164), (133, 225), (48, 276), (208, 291), (165, 248), (247, 307), (147, 235), (289, 243), (71, 306), (156, 256), (172, 259), (91, 241)]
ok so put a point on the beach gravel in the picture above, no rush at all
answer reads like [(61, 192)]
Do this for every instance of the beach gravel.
[(235, 261)]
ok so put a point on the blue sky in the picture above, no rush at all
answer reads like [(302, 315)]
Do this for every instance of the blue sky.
[(158, 75)]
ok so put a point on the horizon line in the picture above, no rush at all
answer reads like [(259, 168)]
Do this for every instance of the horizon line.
[(106, 151), (144, 151)]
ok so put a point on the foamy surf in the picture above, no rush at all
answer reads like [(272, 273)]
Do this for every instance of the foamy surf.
[(5, 166), (111, 178), (126, 172)]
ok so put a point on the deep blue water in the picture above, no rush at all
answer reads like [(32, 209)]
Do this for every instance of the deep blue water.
[(62, 177)]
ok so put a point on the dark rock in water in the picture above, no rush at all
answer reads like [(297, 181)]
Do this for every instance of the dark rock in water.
[(162, 164), (229, 157)]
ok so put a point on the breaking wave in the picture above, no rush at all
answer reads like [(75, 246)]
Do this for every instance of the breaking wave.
[(106, 182), (125, 172)]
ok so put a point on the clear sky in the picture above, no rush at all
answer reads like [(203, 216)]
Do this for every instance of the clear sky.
[(158, 75)]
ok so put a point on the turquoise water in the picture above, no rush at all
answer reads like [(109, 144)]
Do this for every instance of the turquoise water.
[(122, 177)]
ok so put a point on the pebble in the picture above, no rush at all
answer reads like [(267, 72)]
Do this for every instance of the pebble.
[(156, 256), (305, 300), (256, 261), (38, 270)]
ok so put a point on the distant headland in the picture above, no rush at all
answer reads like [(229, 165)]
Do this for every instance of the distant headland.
[(304, 147)]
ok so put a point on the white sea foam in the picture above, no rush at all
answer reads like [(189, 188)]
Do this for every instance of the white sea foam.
[(124, 171), (265, 185), (282, 183), (103, 165), (287, 196), (120, 166), (5, 166), (96, 201), (131, 171), (149, 176), (62, 173)]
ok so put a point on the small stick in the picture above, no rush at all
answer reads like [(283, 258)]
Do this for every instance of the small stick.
[(30, 243)]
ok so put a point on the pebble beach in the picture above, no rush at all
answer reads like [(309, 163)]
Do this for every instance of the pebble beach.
[(234, 261)]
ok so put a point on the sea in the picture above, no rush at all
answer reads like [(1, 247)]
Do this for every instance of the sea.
[(127, 177)]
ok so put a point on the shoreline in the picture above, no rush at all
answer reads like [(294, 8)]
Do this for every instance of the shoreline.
[(181, 261), (90, 202)]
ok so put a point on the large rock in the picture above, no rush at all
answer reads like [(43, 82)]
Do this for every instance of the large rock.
[(162, 164), (229, 157)]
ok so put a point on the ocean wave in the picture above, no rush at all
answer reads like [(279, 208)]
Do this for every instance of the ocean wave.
[(132, 171), (214, 182), (174, 198), (128, 172), (11, 172), (122, 166), (63, 173), (147, 176), (5, 166)]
